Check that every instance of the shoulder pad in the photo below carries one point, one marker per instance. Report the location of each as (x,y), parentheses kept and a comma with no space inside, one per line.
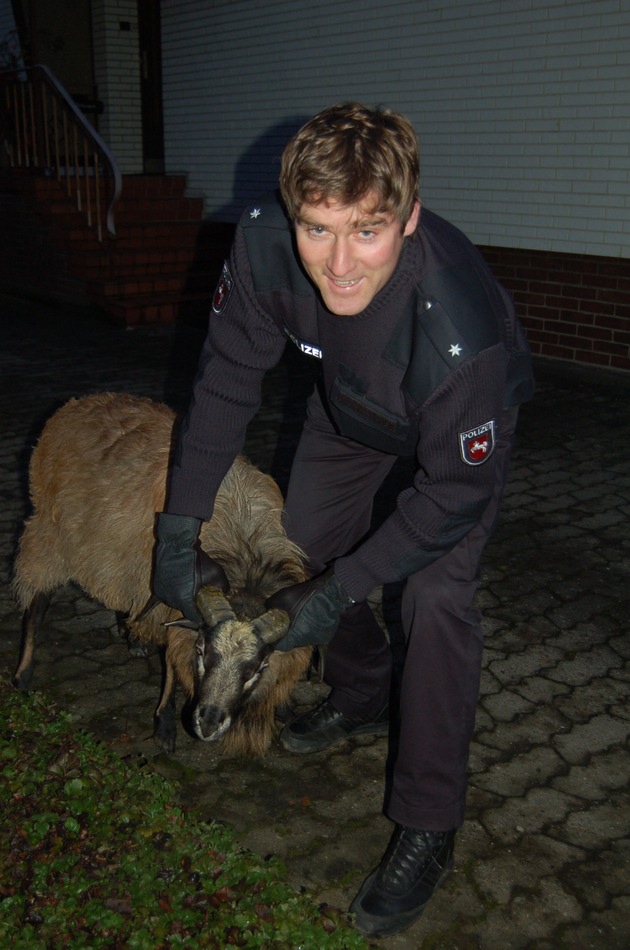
(267,212)
(468,317)
(454,320)
(271,251)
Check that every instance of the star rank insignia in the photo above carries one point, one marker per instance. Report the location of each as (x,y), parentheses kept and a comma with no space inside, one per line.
(254,213)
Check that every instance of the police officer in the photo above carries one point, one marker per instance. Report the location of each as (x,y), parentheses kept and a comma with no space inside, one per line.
(421,356)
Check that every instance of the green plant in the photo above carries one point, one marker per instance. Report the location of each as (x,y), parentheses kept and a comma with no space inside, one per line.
(93,853)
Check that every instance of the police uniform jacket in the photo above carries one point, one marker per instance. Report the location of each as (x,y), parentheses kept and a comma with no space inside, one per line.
(427,369)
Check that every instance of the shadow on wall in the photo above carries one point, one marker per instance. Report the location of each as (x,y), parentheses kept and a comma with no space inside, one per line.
(258,168)
(256,172)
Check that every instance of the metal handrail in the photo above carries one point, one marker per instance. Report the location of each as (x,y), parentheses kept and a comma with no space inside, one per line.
(45,130)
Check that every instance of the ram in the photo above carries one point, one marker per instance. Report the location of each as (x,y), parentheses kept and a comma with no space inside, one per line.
(97,477)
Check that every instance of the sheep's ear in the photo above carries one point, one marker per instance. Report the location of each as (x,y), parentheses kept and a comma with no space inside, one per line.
(272,625)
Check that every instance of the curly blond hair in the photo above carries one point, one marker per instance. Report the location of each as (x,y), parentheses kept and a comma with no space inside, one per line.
(349,151)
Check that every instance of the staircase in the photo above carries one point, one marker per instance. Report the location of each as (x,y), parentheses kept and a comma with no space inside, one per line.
(75,230)
(161,267)
(164,262)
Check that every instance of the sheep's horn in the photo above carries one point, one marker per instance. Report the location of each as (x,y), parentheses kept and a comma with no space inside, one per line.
(272,625)
(213,605)
(152,602)
(182,622)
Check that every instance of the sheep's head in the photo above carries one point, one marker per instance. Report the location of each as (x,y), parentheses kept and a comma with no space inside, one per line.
(231,657)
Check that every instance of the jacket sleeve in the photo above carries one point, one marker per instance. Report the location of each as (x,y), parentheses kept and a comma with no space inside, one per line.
(449,494)
(242,343)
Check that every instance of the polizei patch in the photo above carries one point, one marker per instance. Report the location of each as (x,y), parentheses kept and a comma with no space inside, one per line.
(223,291)
(309,348)
(477,445)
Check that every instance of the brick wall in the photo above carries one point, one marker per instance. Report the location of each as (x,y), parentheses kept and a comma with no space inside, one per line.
(574,307)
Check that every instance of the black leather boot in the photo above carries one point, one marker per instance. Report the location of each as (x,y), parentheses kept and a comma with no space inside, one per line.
(394,896)
(324,725)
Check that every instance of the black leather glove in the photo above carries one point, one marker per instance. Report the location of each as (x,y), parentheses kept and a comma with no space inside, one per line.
(315,608)
(181,567)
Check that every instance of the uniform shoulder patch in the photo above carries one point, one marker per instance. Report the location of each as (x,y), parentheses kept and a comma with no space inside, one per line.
(477,445)
(223,291)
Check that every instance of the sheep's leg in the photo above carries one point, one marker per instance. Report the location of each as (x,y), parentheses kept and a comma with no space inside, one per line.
(165,730)
(136,647)
(33,618)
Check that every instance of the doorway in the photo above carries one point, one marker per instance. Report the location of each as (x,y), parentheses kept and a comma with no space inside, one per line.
(60,35)
(149,38)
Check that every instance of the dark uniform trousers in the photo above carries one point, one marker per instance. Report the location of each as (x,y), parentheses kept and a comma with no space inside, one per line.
(328,512)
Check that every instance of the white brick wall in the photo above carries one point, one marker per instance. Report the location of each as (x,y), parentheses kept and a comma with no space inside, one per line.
(522,106)
(117,74)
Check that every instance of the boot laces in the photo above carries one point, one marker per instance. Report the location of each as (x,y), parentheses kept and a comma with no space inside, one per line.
(412,856)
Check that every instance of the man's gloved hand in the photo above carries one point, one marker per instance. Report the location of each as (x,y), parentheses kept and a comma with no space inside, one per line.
(181,567)
(315,608)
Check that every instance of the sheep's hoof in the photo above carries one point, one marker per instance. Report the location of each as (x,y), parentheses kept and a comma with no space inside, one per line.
(164,734)
(23,680)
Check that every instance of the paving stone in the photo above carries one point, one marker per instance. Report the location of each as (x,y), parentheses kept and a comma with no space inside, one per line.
(521,771)
(511,869)
(536,914)
(538,689)
(586,607)
(604,930)
(581,669)
(504,706)
(483,755)
(515,634)
(595,827)
(531,813)
(600,694)
(530,728)
(608,771)
(519,665)
(586,635)
(609,876)
(591,737)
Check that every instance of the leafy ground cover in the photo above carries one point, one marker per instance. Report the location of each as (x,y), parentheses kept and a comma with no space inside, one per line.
(93,853)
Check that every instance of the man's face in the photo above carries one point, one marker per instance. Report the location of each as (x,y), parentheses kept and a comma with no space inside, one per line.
(350,251)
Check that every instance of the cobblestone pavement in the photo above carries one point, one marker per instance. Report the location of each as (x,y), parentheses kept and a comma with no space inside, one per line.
(542,860)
